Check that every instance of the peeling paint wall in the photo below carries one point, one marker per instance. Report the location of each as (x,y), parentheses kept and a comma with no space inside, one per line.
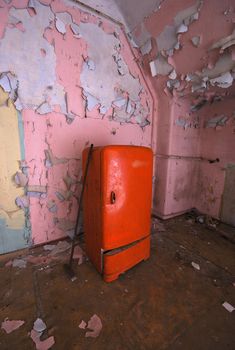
(187,50)
(73,79)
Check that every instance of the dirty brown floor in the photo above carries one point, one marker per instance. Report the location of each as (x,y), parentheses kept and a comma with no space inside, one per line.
(163,303)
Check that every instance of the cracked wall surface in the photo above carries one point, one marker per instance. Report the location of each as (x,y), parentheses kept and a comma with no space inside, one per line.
(190,57)
(71,78)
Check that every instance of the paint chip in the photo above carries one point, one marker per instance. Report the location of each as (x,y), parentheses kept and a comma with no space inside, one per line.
(44,108)
(95,325)
(146,47)
(219,120)
(39,326)
(20,263)
(195,265)
(22,202)
(11,325)
(44,344)
(82,325)
(21,179)
(91,100)
(228,306)
(160,66)
(60,26)
(182,29)
(75,29)
(196,40)
(90,64)
(5,83)
(224,81)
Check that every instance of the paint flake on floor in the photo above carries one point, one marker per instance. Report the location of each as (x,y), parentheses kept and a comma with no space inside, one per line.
(11,325)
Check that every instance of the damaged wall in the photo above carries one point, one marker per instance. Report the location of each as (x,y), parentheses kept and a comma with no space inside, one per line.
(187,47)
(72,80)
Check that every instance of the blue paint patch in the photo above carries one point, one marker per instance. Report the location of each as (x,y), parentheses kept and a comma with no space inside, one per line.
(11,239)
(26,232)
(21,135)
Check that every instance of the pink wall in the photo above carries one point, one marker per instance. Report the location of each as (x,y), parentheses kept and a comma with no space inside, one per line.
(74,79)
(184,177)
(78,83)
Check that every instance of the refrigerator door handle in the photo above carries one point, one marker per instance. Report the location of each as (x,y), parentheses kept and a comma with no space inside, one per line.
(113,197)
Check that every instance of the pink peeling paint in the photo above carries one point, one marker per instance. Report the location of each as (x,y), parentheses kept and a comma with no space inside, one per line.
(184,176)
(50,135)
(11,325)
(178,135)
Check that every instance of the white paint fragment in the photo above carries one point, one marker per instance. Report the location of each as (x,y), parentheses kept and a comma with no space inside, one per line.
(22,202)
(103,109)
(195,265)
(177,46)
(75,29)
(20,263)
(90,64)
(167,39)
(224,64)
(173,84)
(60,26)
(182,29)
(142,37)
(160,66)
(196,40)
(121,65)
(39,326)
(21,179)
(121,102)
(32,4)
(44,108)
(22,57)
(5,83)
(63,19)
(217,121)
(95,325)
(223,81)
(224,43)
(188,15)
(102,83)
(129,108)
(91,101)
(18,104)
(173,75)
(146,48)
(228,306)
(49,247)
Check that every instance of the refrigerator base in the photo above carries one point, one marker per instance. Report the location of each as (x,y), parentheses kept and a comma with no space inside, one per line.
(116,264)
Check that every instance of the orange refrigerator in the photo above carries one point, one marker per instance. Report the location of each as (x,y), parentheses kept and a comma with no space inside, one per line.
(117,208)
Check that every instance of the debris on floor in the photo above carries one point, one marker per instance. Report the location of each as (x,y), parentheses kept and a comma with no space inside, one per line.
(157,225)
(39,326)
(20,263)
(78,254)
(49,247)
(60,247)
(11,325)
(41,344)
(228,306)
(82,325)
(195,265)
(94,325)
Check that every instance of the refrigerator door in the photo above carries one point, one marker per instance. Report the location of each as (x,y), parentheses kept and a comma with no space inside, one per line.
(126,183)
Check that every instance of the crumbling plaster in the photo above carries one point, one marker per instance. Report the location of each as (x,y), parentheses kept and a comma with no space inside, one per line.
(191,61)
(73,80)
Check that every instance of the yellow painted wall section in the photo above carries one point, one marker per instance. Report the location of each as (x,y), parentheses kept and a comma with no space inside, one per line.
(9,161)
